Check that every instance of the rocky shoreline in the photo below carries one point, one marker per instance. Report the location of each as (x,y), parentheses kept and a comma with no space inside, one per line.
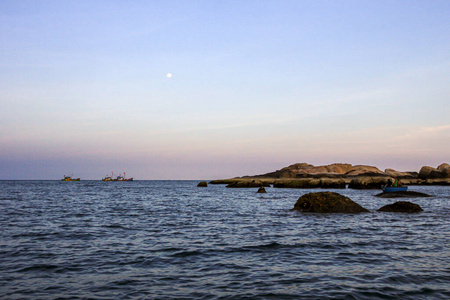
(303,175)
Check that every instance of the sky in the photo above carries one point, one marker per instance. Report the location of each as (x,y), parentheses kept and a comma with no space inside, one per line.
(256,86)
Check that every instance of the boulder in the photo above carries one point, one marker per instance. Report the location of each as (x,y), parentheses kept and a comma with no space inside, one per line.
(202,184)
(436,174)
(441,172)
(261,190)
(361,169)
(327,202)
(425,172)
(369,182)
(401,206)
(443,166)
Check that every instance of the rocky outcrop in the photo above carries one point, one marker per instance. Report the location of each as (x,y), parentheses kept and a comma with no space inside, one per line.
(327,202)
(369,182)
(444,166)
(303,175)
(400,175)
(202,184)
(307,170)
(261,190)
(248,183)
(425,172)
(302,183)
(360,170)
(331,183)
(401,206)
(441,172)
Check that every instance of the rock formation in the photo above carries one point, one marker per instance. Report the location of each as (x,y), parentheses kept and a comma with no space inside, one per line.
(202,184)
(261,190)
(401,206)
(301,183)
(327,202)
(247,183)
(303,175)
(400,175)
(435,176)
(332,183)
(369,182)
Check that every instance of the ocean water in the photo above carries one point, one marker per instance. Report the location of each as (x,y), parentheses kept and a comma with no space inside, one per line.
(173,240)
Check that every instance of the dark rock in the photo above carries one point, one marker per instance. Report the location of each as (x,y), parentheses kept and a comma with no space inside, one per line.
(223,181)
(441,181)
(261,190)
(407,194)
(302,183)
(443,166)
(425,172)
(247,183)
(401,206)
(330,183)
(327,202)
(369,182)
(202,184)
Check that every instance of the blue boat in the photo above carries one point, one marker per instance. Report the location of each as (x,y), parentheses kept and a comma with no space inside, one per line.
(392,189)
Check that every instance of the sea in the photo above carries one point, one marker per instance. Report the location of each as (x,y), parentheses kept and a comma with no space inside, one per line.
(174,240)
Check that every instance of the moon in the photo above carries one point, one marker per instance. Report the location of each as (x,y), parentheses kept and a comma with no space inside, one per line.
(169,75)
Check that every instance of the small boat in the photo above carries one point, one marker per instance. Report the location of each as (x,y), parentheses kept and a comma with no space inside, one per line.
(118,178)
(123,178)
(109,178)
(392,189)
(69,178)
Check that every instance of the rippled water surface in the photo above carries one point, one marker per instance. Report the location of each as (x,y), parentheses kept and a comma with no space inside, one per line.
(171,239)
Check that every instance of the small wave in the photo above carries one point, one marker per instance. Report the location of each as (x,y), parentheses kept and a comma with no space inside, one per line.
(187,253)
(38,268)
(272,245)
(115,226)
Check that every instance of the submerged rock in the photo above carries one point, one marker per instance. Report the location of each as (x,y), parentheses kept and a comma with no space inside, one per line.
(402,206)
(202,184)
(261,190)
(407,194)
(327,202)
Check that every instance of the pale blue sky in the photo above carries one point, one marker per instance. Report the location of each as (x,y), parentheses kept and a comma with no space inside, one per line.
(256,86)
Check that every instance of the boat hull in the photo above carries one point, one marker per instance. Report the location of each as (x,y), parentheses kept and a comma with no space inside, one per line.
(392,189)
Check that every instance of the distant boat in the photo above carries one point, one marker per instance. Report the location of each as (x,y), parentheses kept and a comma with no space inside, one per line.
(69,178)
(123,178)
(118,178)
(392,189)
(109,178)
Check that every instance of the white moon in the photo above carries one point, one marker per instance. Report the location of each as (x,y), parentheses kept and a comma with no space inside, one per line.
(169,75)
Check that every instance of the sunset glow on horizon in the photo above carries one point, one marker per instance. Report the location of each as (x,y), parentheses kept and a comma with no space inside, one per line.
(253,87)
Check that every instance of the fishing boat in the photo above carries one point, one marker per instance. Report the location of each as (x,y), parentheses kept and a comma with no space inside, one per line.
(118,178)
(123,178)
(69,178)
(109,178)
(392,189)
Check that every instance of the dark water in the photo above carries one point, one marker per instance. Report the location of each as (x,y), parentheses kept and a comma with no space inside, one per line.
(170,239)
